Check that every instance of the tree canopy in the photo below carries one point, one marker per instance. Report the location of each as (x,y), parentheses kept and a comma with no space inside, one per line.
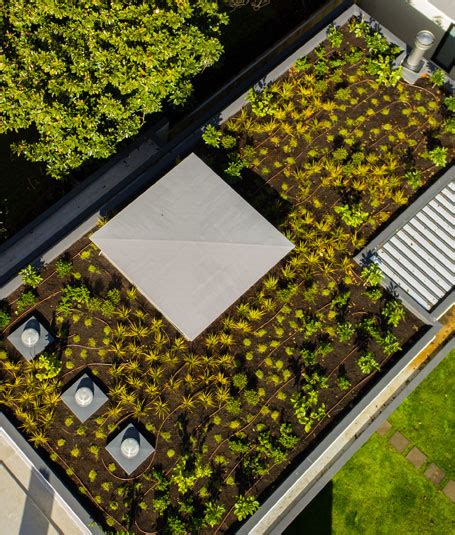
(79,77)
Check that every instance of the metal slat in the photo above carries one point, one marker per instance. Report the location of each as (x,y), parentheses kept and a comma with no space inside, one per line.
(427,221)
(412,269)
(446,202)
(404,246)
(429,236)
(388,270)
(429,253)
(450,191)
(440,209)
(436,216)
(406,280)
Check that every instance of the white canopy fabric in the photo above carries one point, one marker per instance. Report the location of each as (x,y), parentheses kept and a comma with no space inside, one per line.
(191,245)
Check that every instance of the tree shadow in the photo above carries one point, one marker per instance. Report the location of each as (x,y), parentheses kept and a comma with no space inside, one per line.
(316,518)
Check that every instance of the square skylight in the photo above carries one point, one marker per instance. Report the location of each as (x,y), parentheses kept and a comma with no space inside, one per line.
(191,245)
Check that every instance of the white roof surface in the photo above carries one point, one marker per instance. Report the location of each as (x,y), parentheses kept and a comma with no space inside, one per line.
(191,245)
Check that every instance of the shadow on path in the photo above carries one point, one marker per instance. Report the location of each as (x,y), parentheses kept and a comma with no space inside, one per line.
(316,518)
(40,499)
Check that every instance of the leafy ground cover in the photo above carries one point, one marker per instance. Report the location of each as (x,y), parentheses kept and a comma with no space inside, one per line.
(379,487)
(343,144)
(427,416)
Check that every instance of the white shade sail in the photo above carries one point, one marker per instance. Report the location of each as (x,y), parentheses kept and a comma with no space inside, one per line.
(191,245)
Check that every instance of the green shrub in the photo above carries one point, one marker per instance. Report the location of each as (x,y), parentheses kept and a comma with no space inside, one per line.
(212,136)
(372,274)
(450,103)
(31,277)
(438,156)
(345,331)
(26,300)
(334,36)
(63,268)
(390,344)
(438,78)
(393,312)
(235,166)
(262,102)
(47,366)
(245,506)
(5,318)
(384,70)
(228,142)
(240,380)
(367,363)
(414,178)
(343,383)
(353,216)
(213,513)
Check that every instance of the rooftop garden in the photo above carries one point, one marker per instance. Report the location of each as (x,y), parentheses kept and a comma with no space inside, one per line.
(343,143)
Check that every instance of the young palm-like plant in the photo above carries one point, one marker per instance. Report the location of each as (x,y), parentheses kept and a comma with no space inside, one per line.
(205,398)
(161,408)
(38,438)
(160,340)
(123,312)
(138,330)
(226,339)
(156,373)
(188,403)
(222,394)
(211,341)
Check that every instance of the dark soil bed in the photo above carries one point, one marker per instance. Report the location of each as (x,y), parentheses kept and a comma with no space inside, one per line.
(193,423)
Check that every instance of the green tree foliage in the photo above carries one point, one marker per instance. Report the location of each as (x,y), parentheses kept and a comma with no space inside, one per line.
(79,77)
(5,318)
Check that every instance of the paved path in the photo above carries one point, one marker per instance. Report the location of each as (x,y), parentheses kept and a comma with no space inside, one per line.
(418,459)
(29,503)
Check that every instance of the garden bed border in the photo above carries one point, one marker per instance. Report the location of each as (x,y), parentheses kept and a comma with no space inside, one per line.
(39,466)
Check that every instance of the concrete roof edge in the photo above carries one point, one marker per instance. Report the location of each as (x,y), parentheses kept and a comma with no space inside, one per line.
(73,505)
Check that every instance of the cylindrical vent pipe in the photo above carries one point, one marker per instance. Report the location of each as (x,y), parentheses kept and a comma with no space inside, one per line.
(424,41)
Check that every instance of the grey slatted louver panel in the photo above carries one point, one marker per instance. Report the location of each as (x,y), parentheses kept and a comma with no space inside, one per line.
(420,256)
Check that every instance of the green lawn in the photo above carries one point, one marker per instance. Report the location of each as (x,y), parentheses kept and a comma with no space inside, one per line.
(427,416)
(378,491)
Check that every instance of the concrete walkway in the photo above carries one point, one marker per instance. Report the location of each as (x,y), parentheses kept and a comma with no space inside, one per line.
(30,506)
